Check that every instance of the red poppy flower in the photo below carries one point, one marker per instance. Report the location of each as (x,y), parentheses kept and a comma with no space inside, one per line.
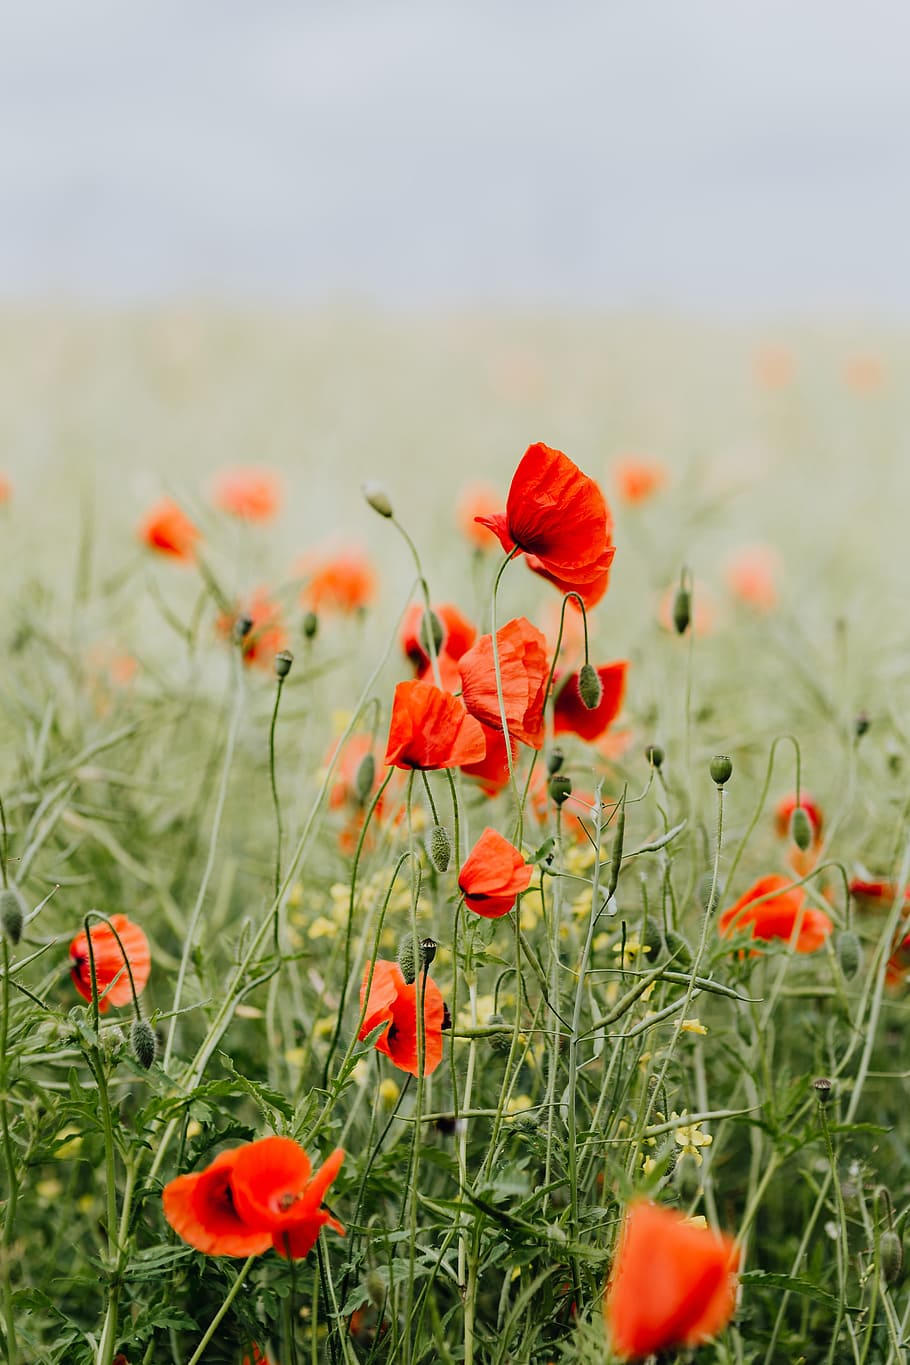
(341,581)
(477,501)
(111,976)
(266,636)
(785,807)
(638,479)
(458,635)
(524,670)
(252,494)
(492,771)
(431,729)
(251,1198)
(899,962)
(673,1283)
(782,914)
(570,712)
(557,515)
(752,573)
(169,530)
(6,489)
(493,875)
(393,1001)
(876,893)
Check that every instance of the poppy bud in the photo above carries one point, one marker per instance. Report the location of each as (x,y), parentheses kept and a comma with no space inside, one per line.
(364,778)
(655,755)
(822,1087)
(12,914)
(849,954)
(703,892)
(242,627)
(310,625)
(143,1042)
(555,760)
(378,498)
(560,789)
(428,948)
(721,769)
(375,1285)
(112,1039)
(590,688)
(678,949)
(439,848)
(861,724)
(682,610)
(891,1251)
(502,1041)
(800,828)
(283,661)
(431,629)
(407,960)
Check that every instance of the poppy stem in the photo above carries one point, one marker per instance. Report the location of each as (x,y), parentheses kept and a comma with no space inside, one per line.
(497,670)
(425,590)
(4,845)
(12,1183)
(279,832)
(222,1311)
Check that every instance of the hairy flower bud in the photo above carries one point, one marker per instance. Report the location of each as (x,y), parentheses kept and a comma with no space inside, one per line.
(431,634)
(891,1250)
(682,610)
(364,778)
(678,949)
(590,688)
(12,914)
(143,1042)
(703,891)
(377,497)
(439,848)
(801,828)
(310,625)
(407,959)
(501,1041)
(849,953)
(655,755)
(721,769)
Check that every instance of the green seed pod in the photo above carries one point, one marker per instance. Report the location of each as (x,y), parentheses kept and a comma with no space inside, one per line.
(555,760)
(721,769)
(310,625)
(560,788)
(682,610)
(678,948)
(143,1042)
(431,633)
(439,848)
(590,688)
(655,755)
(364,778)
(891,1251)
(112,1039)
(849,953)
(12,914)
(378,498)
(823,1088)
(407,959)
(801,827)
(283,662)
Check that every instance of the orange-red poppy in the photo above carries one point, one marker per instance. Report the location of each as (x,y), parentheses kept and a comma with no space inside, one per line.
(6,489)
(875,893)
(673,1283)
(493,875)
(111,976)
(570,712)
(781,916)
(492,771)
(266,636)
(393,1002)
(251,494)
(783,813)
(752,573)
(342,581)
(168,529)
(898,966)
(524,669)
(476,501)
(557,515)
(458,635)
(638,478)
(432,729)
(252,1197)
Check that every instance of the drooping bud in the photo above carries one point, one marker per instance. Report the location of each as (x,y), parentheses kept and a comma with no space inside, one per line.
(364,778)
(891,1250)
(560,788)
(822,1087)
(310,625)
(682,610)
(590,688)
(283,661)
(849,953)
(655,755)
(801,828)
(378,498)
(12,914)
(439,848)
(678,949)
(428,948)
(407,960)
(703,891)
(555,760)
(143,1042)
(721,769)
(431,630)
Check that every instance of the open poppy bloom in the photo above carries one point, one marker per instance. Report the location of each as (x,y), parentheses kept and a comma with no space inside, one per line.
(570,712)
(493,875)
(673,1283)
(432,729)
(477,500)
(111,976)
(169,530)
(638,478)
(458,635)
(250,1198)
(524,670)
(557,515)
(781,916)
(752,573)
(251,494)
(391,1000)
(492,771)
(266,636)
(342,581)
(898,968)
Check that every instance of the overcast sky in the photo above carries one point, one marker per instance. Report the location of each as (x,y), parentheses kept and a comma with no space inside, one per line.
(700,155)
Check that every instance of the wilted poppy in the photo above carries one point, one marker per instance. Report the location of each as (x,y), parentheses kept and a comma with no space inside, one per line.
(524,669)
(673,1283)
(638,478)
(557,515)
(457,635)
(476,501)
(342,581)
(169,530)
(251,494)
(432,729)
(570,712)
(391,1000)
(780,916)
(493,875)
(111,976)
(266,635)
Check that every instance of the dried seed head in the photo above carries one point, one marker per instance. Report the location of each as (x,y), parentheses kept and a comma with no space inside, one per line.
(560,788)
(143,1042)
(590,688)
(823,1088)
(12,914)
(378,498)
(555,760)
(428,948)
(283,661)
(439,848)
(721,769)
(801,828)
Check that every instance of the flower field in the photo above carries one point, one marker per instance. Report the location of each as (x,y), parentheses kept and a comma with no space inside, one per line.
(455,851)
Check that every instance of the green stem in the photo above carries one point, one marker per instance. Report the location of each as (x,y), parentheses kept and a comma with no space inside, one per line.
(279,832)
(9,1217)
(222,1311)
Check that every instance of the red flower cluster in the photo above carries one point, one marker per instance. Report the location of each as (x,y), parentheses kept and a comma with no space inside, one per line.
(393,1001)
(774,908)
(493,876)
(252,1197)
(557,515)
(111,977)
